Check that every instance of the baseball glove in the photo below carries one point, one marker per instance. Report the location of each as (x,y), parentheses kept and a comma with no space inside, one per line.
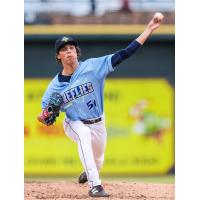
(52,111)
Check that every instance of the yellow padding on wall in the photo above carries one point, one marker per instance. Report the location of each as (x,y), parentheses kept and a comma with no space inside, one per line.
(94,29)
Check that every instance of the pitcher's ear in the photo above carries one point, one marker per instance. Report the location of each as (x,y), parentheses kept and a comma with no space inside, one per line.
(57,59)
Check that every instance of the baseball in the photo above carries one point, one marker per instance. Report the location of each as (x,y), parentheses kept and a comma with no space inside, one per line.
(158,17)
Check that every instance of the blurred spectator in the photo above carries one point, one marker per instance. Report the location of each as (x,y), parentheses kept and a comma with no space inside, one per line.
(125,6)
(93,6)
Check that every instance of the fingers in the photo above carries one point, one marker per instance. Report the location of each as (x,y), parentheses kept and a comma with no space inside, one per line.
(41,119)
(157,20)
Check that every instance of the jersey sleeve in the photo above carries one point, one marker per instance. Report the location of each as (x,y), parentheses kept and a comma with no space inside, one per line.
(102,66)
(123,54)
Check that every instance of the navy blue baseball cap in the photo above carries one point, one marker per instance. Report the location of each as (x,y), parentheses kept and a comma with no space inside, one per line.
(64,40)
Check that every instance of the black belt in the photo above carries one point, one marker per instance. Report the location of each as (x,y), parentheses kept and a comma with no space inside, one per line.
(91,121)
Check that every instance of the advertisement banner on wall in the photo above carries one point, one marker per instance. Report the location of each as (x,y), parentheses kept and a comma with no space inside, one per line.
(140,126)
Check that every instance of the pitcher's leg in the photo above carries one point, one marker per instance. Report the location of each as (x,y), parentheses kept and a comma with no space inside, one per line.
(99,138)
(82,135)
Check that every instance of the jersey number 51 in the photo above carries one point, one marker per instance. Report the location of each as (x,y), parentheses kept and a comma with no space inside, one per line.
(91,104)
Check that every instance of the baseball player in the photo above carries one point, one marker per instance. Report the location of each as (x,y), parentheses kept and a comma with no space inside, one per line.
(77,90)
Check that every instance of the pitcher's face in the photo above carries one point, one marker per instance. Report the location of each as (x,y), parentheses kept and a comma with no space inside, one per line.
(67,54)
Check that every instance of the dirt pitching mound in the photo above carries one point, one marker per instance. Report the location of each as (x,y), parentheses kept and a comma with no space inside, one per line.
(63,190)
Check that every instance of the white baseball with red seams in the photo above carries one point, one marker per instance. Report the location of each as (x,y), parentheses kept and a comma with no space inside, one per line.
(158,17)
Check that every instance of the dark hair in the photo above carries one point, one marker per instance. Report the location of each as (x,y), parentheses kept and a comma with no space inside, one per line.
(78,51)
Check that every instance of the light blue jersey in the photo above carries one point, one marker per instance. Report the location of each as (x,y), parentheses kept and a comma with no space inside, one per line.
(83,94)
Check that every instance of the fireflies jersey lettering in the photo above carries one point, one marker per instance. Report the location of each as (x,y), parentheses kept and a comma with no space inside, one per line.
(77,92)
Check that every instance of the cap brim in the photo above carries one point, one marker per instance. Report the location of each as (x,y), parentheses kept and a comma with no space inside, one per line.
(67,42)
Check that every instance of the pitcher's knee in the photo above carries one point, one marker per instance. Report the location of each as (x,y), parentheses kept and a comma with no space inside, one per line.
(85,133)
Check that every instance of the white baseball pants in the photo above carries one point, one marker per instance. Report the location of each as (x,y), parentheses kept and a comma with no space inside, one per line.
(91,140)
